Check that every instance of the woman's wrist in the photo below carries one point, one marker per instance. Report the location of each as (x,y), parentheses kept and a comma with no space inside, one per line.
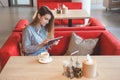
(44,43)
(41,45)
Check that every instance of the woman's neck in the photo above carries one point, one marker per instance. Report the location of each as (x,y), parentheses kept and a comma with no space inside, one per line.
(38,25)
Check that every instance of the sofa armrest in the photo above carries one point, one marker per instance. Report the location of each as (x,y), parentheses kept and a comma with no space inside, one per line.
(0,66)
(21,25)
(109,44)
(95,22)
(10,48)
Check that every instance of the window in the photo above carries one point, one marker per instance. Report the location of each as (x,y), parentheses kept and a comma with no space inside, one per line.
(20,3)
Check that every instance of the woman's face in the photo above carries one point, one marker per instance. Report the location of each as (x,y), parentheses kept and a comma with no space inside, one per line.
(44,20)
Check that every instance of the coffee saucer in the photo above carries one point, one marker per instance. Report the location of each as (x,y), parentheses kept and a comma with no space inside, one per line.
(46,61)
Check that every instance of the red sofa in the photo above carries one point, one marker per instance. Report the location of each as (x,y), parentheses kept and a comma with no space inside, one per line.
(10,48)
(70,5)
(41,1)
(108,44)
(94,25)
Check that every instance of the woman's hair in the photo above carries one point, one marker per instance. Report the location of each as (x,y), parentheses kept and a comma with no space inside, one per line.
(43,11)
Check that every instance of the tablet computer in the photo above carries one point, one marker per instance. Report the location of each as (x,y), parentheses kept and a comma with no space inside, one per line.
(53,40)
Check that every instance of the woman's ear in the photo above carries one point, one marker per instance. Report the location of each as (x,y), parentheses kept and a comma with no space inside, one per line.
(39,16)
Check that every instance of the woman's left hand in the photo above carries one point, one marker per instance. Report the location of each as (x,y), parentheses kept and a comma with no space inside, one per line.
(56,42)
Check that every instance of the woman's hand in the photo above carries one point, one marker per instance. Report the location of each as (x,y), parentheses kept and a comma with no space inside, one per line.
(44,42)
(56,42)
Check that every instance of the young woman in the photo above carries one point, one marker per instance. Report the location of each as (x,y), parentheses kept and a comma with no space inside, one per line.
(36,35)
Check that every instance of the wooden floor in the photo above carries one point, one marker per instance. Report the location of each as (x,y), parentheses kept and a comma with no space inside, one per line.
(10,16)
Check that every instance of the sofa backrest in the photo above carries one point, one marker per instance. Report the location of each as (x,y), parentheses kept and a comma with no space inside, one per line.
(61,48)
(53,0)
(53,5)
(107,44)
(73,5)
(94,24)
(41,1)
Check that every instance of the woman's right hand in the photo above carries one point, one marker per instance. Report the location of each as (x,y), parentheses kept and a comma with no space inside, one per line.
(44,42)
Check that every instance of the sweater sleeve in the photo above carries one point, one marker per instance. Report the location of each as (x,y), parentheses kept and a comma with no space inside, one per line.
(28,48)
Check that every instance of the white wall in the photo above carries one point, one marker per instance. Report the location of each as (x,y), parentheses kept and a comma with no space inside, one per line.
(96,1)
(86,5)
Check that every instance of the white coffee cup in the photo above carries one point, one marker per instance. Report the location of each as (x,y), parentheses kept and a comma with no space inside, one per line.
(43,56)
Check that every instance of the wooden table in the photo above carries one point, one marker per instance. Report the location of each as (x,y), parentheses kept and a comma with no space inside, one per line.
(28,68)
(72,14)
